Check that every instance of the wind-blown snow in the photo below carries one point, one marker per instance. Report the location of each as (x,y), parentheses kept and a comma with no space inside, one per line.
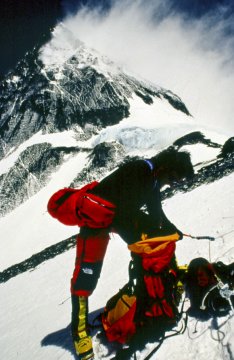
(64,45)
(61,48)
(193,58)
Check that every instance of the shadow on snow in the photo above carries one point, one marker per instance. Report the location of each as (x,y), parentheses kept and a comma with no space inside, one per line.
(63,339)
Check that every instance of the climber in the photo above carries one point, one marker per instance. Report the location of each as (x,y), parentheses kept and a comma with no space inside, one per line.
(114,205)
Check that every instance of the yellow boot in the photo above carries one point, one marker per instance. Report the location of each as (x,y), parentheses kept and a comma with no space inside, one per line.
(81,339)
(84,348)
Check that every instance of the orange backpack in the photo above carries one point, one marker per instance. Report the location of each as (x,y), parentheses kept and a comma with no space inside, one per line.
(118,317)
(150,293)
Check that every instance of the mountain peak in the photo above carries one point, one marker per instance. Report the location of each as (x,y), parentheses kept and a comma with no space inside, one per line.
(66,49)
(64,85)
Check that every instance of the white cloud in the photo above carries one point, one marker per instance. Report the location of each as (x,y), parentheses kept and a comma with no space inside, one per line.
(193,58)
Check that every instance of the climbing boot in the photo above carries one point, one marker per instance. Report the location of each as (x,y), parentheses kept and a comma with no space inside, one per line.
(80,334)
(84,348)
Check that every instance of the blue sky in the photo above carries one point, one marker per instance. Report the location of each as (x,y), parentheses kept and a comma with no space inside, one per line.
(190,8)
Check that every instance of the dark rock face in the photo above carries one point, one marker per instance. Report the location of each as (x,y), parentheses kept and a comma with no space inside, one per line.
(29,174)
(102,159)
(36,259)
(34,166)
(195,138)
(228,147)
(32,100)
(220,167)
(176,102)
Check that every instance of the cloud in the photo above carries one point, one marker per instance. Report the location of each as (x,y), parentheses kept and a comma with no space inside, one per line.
(191,57)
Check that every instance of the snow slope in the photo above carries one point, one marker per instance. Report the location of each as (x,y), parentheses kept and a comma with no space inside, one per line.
(35,306)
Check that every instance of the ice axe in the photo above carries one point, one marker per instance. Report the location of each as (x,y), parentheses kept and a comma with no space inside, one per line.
(211,238)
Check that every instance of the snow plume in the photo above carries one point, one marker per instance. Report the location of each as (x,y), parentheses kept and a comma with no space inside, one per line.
(191,57)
